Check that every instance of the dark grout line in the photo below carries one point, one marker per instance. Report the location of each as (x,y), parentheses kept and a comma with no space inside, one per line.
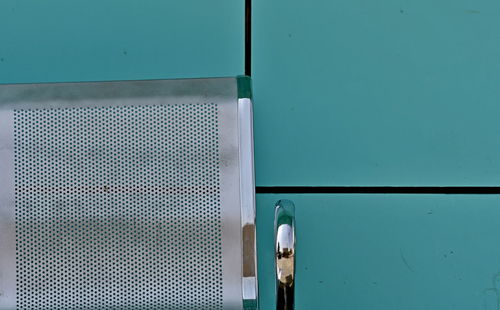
(375,190)
(248,37)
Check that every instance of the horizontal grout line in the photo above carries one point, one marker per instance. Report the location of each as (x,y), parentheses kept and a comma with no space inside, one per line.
(375,190)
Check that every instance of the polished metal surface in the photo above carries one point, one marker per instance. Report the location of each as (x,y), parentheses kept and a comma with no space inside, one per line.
(130,195)
(247,189)
(285,254)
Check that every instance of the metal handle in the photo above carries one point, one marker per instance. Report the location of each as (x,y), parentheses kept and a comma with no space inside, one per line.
(284,236)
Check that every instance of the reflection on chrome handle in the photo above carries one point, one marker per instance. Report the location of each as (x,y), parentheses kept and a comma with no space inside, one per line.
(284,236)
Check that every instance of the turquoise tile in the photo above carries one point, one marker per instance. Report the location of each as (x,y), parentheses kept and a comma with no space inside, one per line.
(59,41)
(377,93)
(388,251)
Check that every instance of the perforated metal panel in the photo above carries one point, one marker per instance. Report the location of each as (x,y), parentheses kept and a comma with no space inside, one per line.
(122,196)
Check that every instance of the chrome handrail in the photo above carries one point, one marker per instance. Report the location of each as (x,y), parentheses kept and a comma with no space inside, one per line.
(284,235)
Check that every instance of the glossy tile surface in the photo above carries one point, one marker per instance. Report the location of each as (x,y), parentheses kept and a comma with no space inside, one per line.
(377,93)
(62,41)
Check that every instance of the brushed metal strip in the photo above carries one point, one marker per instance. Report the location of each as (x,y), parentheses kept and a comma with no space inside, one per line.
(230,202)
(7,214)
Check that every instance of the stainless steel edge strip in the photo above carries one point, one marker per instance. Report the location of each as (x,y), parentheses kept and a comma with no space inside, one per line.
(230,195)
(247,190)
(8,288)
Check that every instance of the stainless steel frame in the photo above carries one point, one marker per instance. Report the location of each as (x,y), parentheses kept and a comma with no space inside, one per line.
(233,96)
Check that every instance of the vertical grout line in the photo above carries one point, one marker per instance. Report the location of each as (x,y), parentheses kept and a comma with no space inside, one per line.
(248,37)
